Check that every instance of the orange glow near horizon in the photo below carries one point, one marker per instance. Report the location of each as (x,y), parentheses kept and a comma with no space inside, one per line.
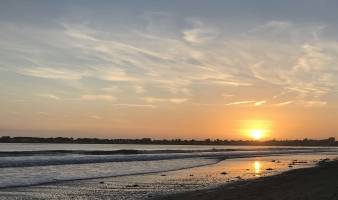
(256,134)
(256,129)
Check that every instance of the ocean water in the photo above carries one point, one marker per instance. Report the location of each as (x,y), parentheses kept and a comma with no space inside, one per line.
(39,164)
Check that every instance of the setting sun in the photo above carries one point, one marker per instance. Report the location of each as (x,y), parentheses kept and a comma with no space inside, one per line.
(256,134)
(256,129)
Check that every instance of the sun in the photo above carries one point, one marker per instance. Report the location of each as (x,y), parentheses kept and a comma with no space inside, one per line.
(255,129)
(256,134)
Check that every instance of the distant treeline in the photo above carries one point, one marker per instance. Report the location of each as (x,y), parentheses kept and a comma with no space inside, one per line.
(305,142)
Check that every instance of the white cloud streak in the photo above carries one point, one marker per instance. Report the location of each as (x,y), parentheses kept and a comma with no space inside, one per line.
(283,103)
(239,103)
(161,100)
(103,97)
(135,105)
(259,103)
(50,96)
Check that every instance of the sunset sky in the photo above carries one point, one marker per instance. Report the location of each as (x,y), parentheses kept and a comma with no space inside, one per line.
(169,69)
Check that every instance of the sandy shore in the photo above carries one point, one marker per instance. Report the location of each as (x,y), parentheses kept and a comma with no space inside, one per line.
(297,184)
(316,183)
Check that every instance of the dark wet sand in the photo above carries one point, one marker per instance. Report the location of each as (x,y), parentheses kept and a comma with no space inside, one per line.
(317,183)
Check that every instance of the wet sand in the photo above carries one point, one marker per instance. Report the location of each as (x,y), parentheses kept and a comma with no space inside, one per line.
(241,174)
(320,182)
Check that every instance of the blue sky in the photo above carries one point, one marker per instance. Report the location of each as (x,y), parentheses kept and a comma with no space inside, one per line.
(191,69)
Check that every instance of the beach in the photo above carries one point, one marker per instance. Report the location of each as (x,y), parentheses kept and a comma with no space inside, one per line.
(320,182)
(133,172)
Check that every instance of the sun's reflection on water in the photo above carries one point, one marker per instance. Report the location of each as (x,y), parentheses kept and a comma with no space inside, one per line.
(257,168)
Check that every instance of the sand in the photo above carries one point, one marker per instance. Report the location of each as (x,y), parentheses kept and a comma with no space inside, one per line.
(316,183)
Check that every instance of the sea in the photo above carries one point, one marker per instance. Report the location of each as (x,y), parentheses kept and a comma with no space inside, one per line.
(127,167)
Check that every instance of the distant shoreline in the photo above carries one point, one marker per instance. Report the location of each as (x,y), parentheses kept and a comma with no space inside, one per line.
(68,140)
(319,182)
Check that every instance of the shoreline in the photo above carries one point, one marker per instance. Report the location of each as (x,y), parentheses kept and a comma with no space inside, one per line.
(318,182)
(169,184)
(217,160)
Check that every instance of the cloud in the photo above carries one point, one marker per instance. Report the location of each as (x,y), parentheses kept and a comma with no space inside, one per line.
(43,113)
(111,89)
(96,117)
(178,100)
(239,102)
(139,89)
(50,96)
(174,66)
(231,83)
(51,73)
(259,103)
(227,96)
(302,62)
(199,33)
(198,36)
(273,26)
(313,103)
(111,74)
(153,99)
(306,70)
(283,103)
(159,100)
(255,103)
(135,105)
(168,64)
(98,97)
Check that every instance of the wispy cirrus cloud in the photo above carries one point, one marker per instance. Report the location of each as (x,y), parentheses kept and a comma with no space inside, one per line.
(283,103)
(159,100)
(131,105)
(198,33)
(101,97)
(253,103)
(96,117)
(50,96)
(239,103)
(178,100)
(51,73)
(313,103)
(259,103)
(139,89)
(175,66)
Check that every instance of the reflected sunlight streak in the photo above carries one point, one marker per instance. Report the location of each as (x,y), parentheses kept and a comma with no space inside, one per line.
(257,168)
